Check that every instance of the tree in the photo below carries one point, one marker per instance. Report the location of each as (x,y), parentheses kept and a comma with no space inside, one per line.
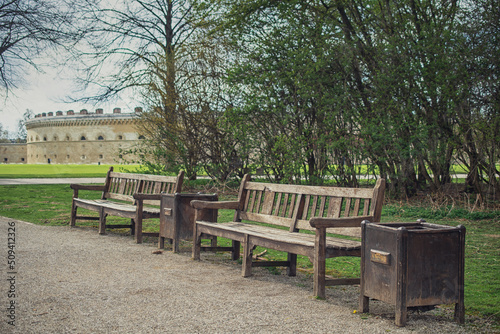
(327,85)
(29,28)
(4,135)
(157,49)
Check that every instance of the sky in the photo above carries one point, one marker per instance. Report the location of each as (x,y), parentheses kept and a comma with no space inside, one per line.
(45,92)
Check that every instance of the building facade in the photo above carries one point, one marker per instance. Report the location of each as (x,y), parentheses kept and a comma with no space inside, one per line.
(13,153)
(81,138)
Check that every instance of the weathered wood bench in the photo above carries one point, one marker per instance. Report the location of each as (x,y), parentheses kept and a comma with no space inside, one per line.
(295,207)
(133,196)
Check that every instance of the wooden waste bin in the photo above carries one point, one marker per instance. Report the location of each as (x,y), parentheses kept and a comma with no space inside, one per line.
(177,217)
(412,264)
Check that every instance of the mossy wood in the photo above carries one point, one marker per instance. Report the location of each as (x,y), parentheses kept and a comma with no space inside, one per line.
(134,196)
(286,210)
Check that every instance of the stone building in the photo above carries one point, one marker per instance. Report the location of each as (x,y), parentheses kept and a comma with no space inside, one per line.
(80,138)
(12,153)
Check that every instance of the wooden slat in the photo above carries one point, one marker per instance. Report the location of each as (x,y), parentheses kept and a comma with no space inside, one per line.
(322,207)
(259,202)
(291,208)
(284,205)
(275,234)
(305,211)
(312,190)
(121,187)
(314,206)
(347,209)
(356,207)
(149,177)
(278,205)
(336,203)
(366,207)
(253,194)
(119,197)
(247,200)
(297,212)
(258,217)
(267,206)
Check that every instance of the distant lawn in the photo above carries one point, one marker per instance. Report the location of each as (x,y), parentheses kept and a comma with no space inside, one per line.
(14,171)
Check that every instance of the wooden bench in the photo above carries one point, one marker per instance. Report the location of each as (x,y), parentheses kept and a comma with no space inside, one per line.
(133,196)
(294,207)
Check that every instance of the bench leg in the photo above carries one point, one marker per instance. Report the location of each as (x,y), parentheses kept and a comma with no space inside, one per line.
(196,243)
(102,221)
(213,241)
(364,303)
(132,227)
(247,257)
(161,242)
(319,263)
(291,270)
(175,245)
(138,228)
(460,312)
(72,222)
(235,254)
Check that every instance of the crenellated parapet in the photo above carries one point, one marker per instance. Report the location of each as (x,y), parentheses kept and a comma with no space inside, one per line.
(84,118)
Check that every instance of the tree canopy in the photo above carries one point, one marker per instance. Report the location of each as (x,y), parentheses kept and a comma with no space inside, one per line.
(304,90)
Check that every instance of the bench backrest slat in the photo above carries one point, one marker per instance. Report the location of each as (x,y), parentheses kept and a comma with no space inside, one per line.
(294,205)
(123,186)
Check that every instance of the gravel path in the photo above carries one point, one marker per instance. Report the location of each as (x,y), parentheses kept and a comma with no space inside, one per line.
(72,280)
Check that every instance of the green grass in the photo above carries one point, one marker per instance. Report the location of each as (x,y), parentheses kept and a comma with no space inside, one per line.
(53,170)
(56,170)
(51,204)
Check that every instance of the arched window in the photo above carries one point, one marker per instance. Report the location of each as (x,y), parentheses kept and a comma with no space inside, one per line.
(44,138)
(100,138)
(120,137)
(68,138)
(83,138)
(55,138)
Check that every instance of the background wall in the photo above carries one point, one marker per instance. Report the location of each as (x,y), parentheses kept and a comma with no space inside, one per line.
(13,153)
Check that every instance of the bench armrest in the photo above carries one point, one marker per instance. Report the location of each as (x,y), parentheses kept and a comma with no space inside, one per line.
(215,204)
(76,186)
(319,222)
(145,197)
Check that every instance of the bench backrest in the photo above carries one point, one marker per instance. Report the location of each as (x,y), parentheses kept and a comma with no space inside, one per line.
(293,205)
(123,186)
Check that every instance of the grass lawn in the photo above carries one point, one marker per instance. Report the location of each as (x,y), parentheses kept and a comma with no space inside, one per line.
(14,171)
(50,205)
(56,170)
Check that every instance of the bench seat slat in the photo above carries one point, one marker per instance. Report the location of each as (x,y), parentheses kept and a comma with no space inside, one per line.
(274,234)
(99,203)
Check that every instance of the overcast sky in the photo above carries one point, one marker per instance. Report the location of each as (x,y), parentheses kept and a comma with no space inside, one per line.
(45,93)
